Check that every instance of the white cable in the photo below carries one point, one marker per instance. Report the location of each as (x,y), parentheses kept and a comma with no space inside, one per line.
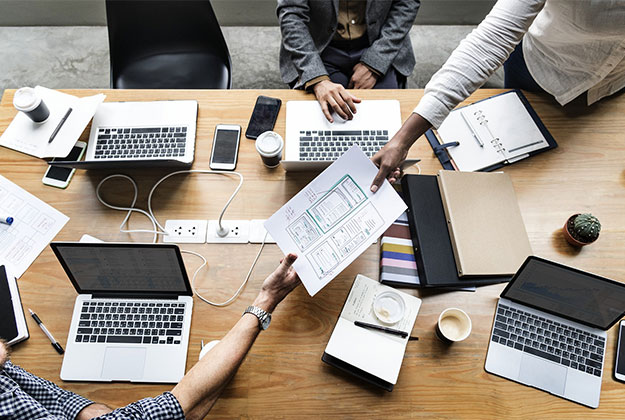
(150,215)
(198,171)
(239,290)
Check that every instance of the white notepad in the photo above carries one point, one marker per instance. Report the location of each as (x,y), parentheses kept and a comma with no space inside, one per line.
(377,353)
(501,124)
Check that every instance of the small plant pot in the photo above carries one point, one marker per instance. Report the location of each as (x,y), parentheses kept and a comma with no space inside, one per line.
(567,231)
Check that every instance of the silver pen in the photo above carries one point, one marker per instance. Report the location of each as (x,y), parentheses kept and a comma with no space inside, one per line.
(48,334)
(475,136)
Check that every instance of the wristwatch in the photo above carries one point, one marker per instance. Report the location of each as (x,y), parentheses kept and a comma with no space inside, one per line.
(264,317)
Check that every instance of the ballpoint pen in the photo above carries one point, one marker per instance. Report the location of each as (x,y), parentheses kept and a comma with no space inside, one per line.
(55,343)
(6,220)
(402,334)
(475,136)
(58,127)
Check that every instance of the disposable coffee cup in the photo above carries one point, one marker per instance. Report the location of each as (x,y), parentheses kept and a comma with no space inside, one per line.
(30,103)
(269,146)
(453,325)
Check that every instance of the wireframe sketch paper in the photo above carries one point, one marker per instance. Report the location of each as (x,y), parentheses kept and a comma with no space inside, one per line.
(28,137)
(334,219)
(35,225)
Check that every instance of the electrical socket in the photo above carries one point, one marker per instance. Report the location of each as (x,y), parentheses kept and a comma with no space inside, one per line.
(257,232)
(238,232)
(185,231)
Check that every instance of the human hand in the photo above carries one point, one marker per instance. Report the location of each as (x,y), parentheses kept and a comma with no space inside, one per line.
(333,97)
(362,77)
(278,284)
(388,159)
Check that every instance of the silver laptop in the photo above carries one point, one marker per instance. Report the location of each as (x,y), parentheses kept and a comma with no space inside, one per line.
(550,327)
(132,316)
(136,134)
(313,143)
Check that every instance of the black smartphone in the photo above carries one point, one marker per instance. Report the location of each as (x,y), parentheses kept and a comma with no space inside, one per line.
(619,360)
(263,117)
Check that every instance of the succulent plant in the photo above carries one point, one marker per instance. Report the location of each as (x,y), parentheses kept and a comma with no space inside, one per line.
(587,227)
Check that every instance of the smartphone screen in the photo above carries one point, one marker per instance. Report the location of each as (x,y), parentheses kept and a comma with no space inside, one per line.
(263,117)
(620,355)
(62,174)
(225,148)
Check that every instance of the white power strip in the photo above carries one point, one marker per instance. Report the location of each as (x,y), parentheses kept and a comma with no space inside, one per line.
(185,231)
(205,231)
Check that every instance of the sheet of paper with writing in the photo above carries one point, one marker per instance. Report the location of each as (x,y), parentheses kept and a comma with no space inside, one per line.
(334,219)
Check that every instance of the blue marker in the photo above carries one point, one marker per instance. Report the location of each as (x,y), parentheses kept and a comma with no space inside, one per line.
(7,220)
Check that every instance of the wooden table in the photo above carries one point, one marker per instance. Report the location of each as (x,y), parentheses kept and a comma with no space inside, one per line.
(283,376)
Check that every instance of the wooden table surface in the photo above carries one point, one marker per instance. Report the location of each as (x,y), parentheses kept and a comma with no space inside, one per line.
(283,376)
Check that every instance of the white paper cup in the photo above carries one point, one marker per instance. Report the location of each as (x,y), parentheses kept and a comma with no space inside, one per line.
(453,325)
(30,103)
(269,146)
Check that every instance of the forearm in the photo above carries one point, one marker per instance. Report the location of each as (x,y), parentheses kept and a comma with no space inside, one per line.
(410,131)
(202,385)
(92,411)
(477,57)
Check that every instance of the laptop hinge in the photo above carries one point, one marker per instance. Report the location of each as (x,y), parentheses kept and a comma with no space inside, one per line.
(143,296)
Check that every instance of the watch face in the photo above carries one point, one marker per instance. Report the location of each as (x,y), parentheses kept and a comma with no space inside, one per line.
(266,321)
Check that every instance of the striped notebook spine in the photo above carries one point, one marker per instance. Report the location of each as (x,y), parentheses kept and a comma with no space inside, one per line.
(397,262)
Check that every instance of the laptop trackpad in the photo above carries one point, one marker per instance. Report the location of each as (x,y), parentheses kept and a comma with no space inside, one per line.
(543,374)
(123,363)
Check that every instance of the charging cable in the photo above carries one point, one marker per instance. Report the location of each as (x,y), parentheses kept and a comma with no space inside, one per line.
(222,231)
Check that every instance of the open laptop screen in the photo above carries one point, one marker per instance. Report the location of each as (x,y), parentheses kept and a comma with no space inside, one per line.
(567,292)
(123,268)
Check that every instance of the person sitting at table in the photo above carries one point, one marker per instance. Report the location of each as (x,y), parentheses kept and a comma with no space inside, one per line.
(564,48)
(332,45)
(26,396)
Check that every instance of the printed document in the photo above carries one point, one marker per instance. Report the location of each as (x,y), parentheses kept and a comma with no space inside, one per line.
(31,138)
(334,219)
(35,225)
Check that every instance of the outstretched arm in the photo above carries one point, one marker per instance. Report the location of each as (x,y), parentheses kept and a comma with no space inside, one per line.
(477,57)
(200,388)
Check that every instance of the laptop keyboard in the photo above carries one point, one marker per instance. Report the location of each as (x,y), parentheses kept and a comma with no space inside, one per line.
(145,142)
(130,322)
(330,145)
(548,339)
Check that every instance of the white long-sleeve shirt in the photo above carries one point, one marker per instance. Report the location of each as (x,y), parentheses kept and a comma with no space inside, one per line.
(570,47)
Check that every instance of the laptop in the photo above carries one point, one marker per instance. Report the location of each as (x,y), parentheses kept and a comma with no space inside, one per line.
(313,143)
(550,327)
(140,134)
(132,316)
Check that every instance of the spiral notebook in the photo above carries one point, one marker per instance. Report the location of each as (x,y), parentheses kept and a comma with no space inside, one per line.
(491,133)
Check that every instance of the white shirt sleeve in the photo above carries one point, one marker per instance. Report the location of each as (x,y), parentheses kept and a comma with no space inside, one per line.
(477,57)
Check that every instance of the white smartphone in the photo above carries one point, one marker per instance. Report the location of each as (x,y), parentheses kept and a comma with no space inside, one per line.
(225,147)
(619,365)
(59,177)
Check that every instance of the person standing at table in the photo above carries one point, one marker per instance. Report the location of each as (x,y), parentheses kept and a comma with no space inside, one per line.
(26,396)
(329,46)
(565,48)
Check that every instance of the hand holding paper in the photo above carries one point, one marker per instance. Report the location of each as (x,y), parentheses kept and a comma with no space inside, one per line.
(334,219)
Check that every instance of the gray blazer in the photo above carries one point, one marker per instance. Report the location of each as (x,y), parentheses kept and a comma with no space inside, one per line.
(308,26)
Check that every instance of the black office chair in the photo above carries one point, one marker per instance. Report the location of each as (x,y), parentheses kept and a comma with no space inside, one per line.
(166,44)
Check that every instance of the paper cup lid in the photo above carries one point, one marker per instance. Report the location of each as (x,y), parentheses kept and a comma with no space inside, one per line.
(269,144)
(26,99)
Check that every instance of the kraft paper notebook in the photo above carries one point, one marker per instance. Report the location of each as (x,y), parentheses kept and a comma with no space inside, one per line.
(485,224)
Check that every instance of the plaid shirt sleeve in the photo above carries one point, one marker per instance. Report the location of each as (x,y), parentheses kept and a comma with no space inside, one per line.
(26,396)
(162,407)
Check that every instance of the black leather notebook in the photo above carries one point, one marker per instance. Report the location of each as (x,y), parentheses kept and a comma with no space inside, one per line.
(13,327)
(433,250)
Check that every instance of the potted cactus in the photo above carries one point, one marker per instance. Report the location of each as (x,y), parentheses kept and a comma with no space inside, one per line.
(581,229)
